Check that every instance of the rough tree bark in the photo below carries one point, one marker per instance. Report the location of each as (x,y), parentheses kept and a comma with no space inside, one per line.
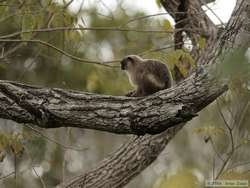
(151,114)
(50,108)
(192,22)
(133,157)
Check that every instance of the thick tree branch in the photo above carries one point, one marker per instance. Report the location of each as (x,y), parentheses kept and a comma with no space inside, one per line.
(22,104)
(50,108)
(237,32)
(132,158)
(189,16)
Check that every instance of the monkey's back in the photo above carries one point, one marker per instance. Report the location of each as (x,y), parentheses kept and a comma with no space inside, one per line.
(155,76)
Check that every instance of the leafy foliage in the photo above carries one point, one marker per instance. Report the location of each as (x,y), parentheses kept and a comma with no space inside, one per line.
(209,130)
(234,175)
(12,143)
(182,59)
(202,42)
(39,64)
(183,178)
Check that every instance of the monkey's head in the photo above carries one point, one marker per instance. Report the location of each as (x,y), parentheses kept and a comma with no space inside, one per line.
(129,62)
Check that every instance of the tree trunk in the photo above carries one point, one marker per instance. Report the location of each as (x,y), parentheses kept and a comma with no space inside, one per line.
(167,109)
(131,158)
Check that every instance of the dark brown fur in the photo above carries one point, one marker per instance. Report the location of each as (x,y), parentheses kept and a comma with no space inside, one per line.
(146,75)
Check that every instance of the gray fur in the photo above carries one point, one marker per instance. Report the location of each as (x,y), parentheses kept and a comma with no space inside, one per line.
(146,75)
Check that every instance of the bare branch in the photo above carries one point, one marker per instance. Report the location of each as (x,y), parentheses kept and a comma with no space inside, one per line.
(189,14)
(130,161)
(153,114)
(193,17)
(34,170)
(50,108)
(215,150)
(54,141)
(62,51)
(85,29)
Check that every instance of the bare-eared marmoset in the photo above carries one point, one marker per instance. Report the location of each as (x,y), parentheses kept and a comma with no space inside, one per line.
(146,75)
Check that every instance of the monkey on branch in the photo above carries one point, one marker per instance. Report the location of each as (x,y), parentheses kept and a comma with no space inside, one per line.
(147,76)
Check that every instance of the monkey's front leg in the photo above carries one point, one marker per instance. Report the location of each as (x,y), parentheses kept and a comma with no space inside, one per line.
(130,94)
(136,93)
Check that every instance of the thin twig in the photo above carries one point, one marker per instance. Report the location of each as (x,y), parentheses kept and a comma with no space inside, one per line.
(157,49)
(243,113)
(33,168)
(154,15)
(15,168)
(64,156)
(223,166)
(143,17)
(8,175)
(108,9)
(205,4)
(21,44)
(222,115)
(68,4)
(12,50)
(105,63)
(213,168)
(237,165)
(231,153)
(54,141)
(115,29)
(230,130)
(40,178)
(215,150)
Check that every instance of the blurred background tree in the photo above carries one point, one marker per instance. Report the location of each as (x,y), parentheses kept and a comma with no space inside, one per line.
(43,158)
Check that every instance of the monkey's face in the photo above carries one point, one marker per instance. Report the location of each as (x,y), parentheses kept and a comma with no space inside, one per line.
(128,63)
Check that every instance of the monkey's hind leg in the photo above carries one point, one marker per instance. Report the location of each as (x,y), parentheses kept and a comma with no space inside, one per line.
(136,93)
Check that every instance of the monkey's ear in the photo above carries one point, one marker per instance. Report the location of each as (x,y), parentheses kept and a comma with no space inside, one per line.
(130,59)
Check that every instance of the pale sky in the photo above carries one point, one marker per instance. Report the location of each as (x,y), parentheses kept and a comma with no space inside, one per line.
(222,8)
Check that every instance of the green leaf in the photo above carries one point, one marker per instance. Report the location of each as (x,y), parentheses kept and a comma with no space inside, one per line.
(209,130)
(3,11)
(4,141)
(92,82)
(40,19)
(17,147)
(244,141)
(158,2)
(167,25)
(202,42)
(234,66)
(28,23)
(183,60)
(183,178)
